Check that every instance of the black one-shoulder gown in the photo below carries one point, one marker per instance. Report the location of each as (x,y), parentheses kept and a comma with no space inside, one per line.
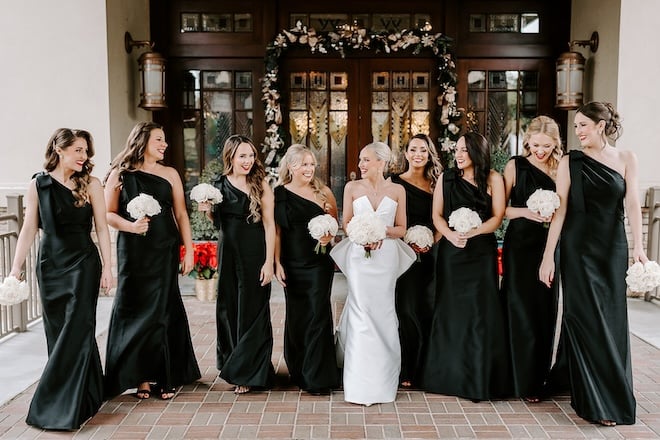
(531,306)
(309,348)
(415,289)
(594,259)
(149,338)
(68,272)
(245,333)
(467,355)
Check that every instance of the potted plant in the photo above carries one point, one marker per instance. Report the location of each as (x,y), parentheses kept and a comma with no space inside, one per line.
(205,269)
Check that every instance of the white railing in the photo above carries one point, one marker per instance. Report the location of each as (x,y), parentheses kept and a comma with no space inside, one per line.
(16,318)
(653,250)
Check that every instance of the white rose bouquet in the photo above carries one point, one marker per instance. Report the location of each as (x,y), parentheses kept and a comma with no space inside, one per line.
(464,219)
(543,202)
(205,192)
(420,238)
(364,229)
(13,291)
(643,277)
(320,226)
(143,206)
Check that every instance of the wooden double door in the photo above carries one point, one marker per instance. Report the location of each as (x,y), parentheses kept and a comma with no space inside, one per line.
(337,106)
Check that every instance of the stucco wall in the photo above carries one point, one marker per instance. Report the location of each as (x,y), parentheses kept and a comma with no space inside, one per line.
(54,74)
(124,87)
(638,91)
(601,70)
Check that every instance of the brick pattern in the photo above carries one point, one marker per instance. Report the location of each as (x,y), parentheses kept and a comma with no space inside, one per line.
(209,409)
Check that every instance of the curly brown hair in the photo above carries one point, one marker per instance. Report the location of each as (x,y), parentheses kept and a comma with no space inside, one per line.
(63,138)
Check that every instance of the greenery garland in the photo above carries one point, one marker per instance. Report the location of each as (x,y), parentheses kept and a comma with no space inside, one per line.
(352,39)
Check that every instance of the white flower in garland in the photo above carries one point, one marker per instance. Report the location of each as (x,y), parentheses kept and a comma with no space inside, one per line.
(353,37)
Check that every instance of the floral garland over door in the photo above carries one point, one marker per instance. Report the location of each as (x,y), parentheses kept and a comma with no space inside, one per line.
(352,39)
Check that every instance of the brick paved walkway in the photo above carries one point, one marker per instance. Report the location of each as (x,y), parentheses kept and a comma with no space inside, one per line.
(209,408)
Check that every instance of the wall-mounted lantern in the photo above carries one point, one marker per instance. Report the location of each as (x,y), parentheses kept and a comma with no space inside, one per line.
(570,74)
(152,74)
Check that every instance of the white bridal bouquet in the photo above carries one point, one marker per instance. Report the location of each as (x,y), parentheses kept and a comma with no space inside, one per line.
(464,219)
(543,202)
(643,277)
(142,206)
(421,237)
(13,291)
(321,225)
(205,192)
(366,228)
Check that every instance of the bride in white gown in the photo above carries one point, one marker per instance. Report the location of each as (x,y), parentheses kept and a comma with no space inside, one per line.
(367,335)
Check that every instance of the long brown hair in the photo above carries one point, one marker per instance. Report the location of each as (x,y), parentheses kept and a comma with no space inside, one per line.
(256,176)
(433,167)
(63,138)
(132,156)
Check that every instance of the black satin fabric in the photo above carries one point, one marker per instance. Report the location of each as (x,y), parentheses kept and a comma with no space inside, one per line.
(531,306)
(594,259)
(245,333)
(68,271)
(467,351)
(149,338)
(309,348)
(415,289)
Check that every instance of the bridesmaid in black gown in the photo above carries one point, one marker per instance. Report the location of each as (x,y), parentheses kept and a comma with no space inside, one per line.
(306,275)
(531,306)
(415,293)
(148,339)
(247,247)
(62,202)
(467,354)
(593,185)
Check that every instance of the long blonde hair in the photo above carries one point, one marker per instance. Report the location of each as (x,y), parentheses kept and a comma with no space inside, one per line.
(254,179)
(547,126)
(293,158)
(63,138)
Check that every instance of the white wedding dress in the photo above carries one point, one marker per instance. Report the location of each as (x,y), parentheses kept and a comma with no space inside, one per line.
(368,332)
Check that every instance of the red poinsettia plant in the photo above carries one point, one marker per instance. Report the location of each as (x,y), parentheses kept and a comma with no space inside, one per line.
(206,260)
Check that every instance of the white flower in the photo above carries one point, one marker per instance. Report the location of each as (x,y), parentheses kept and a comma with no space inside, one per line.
(367,228)
(142,206)
(464,219)
(543,202)
(643,277)
(419,235)
(13,291)
(206,193)
(321,225)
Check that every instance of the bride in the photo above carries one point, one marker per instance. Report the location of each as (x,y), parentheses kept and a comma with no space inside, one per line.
(367,336)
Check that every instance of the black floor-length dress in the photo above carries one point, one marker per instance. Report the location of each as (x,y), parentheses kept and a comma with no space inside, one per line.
(69,271)
(245,333)
(467,352)
(594,259)
(309,348)
(415,292)
(531,306)
(149,338)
